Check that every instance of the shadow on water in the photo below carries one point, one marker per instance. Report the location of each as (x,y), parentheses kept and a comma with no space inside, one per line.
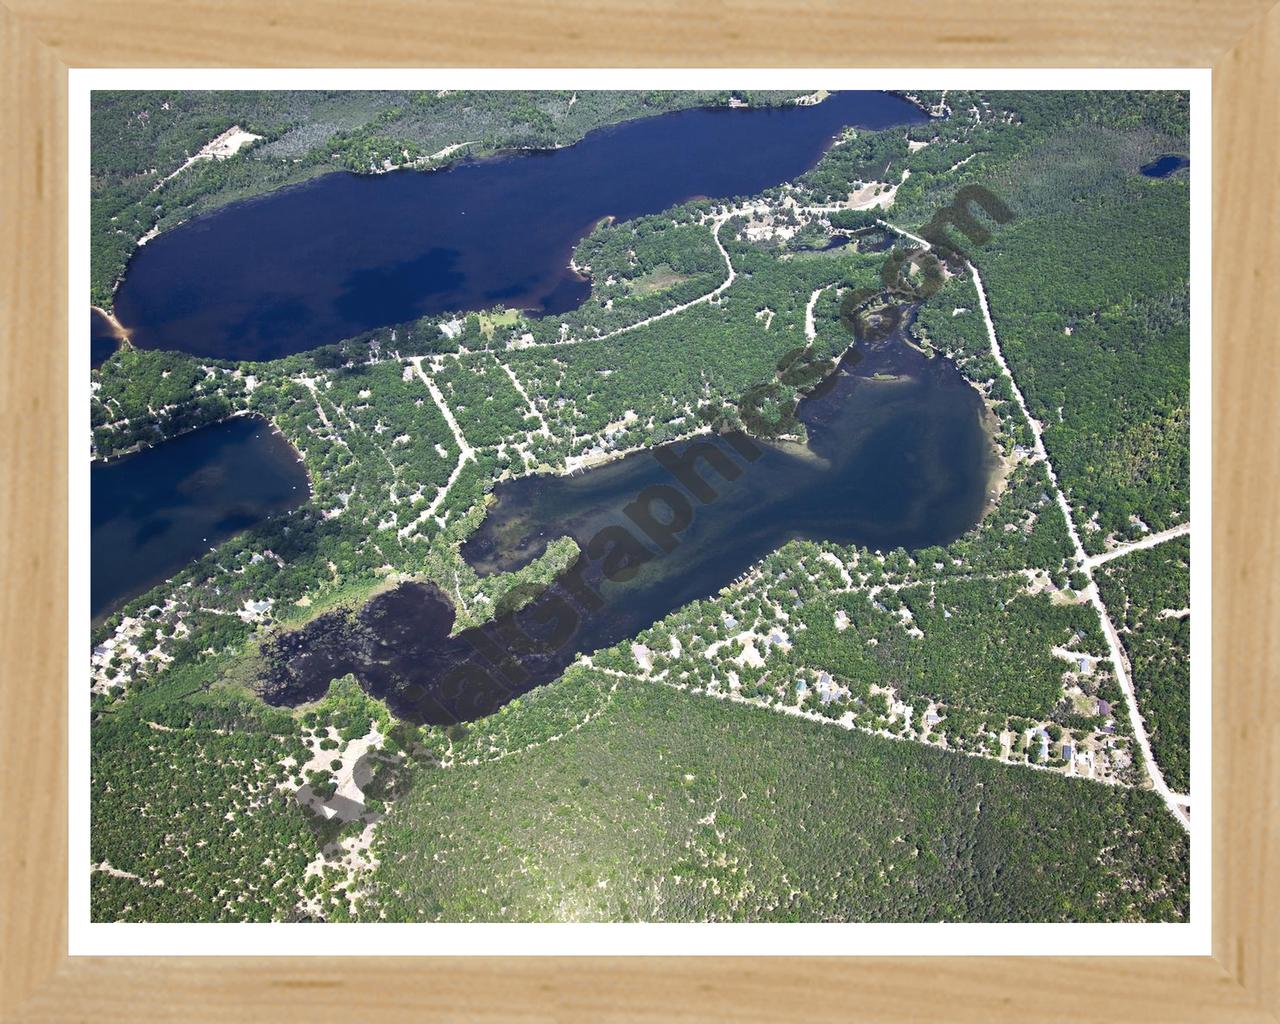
(897,456)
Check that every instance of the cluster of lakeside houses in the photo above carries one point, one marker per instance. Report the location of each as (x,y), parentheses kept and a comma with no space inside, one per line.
(734,645)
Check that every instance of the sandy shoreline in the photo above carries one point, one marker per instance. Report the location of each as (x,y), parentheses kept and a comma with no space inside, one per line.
(1001,465)
(121,332)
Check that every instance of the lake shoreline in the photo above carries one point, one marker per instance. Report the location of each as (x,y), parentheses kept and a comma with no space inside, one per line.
(601,173)
(97,459)
(1001,465)
(115,457)
(109,316)
(451,157)
(872,475)
(147,525)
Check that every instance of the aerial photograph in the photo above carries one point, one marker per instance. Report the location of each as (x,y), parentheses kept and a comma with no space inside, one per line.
(639,506)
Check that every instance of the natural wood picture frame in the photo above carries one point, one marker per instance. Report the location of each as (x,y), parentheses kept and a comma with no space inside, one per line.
(41,39)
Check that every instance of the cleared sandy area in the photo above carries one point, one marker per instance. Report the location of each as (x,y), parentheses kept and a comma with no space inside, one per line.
(228,144)
(876,194)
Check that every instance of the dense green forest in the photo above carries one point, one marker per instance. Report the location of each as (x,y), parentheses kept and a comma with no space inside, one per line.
(484,401)
(1148,594)
(986,644)
(669,807)
(380,449)
(226,846)
(1092,311)
(665,796)
(1040,152)
(140,398)
(1088,285)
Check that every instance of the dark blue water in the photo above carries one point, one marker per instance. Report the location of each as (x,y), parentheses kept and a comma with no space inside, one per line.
(157,510)
(903,461)
(337,256)
(103,339)
(1165,166)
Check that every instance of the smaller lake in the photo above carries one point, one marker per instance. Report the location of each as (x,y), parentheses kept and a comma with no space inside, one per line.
(897,456)
(1165,166)
(155,511)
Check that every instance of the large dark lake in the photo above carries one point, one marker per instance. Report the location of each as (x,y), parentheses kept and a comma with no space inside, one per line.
(158,509)
(889,462)
(897,454)
(344,253)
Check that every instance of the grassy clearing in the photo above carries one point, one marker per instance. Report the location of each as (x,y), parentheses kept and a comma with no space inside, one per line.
(659,279)
(497,318)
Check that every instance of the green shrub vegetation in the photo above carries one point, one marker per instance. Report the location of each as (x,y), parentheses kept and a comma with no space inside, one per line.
(986,643)
(226,846)
(626,792)
(670,807)
(1148,593)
